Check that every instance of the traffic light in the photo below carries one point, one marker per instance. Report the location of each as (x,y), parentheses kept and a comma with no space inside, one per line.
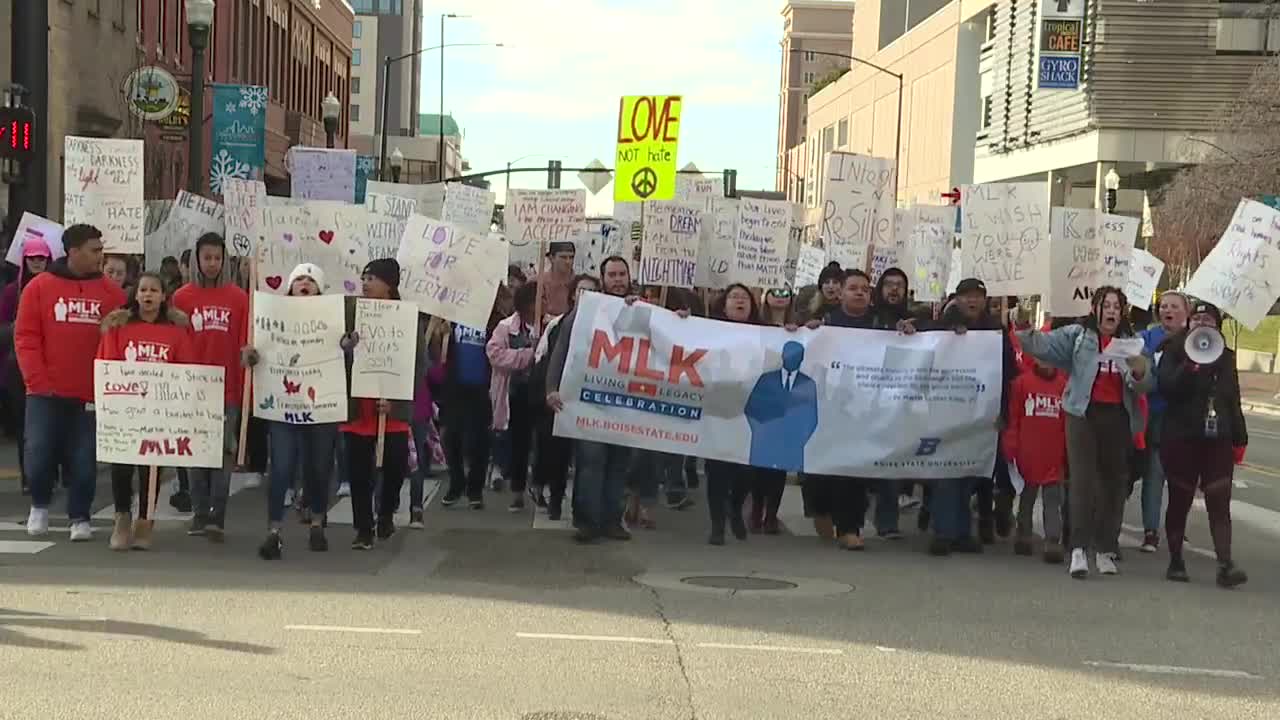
(553,174)
(730,183)
(17,133)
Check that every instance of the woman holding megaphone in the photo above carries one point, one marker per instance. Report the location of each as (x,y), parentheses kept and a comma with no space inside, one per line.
(1204,436)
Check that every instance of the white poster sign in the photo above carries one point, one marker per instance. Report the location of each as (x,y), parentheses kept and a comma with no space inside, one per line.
(1144,277)
(894,252)
(387,216)
(468,207)
(672,239)
(332,235)
(34,227)
(243,202)
(761,245)
(924,405)
(382,364)
(1118,234)
(301,375)
(103,188)
(190,217)
(322,174)
(449,271)
(929,250)
(1077,268)
(163,414)
(602,239)
(859,199)
(1006,236)
(1239,275)
(627,215)
(700,190)
(717,258)
(429,199)
(536,218)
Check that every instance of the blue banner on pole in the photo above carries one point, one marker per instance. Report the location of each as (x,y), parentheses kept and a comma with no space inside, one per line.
(364,168)
(239,134)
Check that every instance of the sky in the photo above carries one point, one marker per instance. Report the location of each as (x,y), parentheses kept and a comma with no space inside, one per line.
(553,91)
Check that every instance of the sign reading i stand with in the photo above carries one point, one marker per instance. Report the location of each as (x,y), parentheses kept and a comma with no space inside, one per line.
(1058,51)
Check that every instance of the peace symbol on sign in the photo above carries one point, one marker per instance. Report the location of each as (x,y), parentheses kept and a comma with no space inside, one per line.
(644,182)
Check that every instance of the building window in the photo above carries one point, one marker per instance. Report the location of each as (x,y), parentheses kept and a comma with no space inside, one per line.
(809,77)
(991,24)
(988,106)
(357,30)
(355,57)
(810,56)
(355,113)
(1247,36)
(355,86)
(842,134)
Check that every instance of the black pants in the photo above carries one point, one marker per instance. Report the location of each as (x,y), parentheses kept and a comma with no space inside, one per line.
(520,431)
(727,487)
(468,416)
(122,488)
(848,504)
(256,450)
(551,470)
(362,474)
(766,490)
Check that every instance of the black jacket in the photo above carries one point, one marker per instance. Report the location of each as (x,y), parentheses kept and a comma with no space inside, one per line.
(1187,387)
(954,318)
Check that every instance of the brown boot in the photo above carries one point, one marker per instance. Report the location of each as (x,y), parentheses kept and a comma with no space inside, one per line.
(826,529)
(142,534)
(121,532)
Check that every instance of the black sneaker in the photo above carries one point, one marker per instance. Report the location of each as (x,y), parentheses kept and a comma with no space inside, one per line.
(363,541)
(516,505)
(318,542)
(617,532)
(386,527)
(181,501)
(939,547)
(1004,524)
(922,520)
(271,548)
(738,525)
(554,511)
(585,536)
(475,504)
(198,525)
(415,520)
(1177,571)
(450,500)
(987,531)
(1022,547)
(1230,576)
(966,545)
(215,533)
(717,537)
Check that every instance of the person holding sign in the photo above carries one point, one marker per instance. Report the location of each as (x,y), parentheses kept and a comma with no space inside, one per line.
(376,421)
(145,330)
(219,316)
(36,256)
(55,336)
(1103,416)
(510,350)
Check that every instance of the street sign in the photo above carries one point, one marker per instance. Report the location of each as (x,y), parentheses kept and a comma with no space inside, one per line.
(151,92)
(648,138)
(1058,49)
(690,168)
(1059,72)
(595,176)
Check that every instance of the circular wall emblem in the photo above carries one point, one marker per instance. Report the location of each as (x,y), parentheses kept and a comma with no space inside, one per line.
(152,92)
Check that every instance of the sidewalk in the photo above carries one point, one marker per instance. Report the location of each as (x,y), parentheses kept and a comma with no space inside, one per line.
(1258,393)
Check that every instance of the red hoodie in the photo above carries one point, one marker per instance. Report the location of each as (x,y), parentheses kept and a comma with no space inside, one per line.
(220,327)
(137,341)
(57,330)
(1036,438)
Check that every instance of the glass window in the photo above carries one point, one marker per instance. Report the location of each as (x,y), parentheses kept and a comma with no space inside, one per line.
(357,30)
(355,113)
(355,57)
(355,86)
(842,135)
(809,77)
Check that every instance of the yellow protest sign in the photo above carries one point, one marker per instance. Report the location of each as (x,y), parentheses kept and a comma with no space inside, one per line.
(648,132)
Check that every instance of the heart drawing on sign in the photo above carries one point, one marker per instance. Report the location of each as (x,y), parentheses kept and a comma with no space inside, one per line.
(349,286)
(274,282)
(288,237)
(326,237)
(311,393)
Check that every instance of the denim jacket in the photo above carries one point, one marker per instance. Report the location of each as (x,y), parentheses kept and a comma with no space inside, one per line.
(1074,349)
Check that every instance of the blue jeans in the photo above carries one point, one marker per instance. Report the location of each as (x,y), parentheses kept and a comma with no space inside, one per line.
(61,430)
(950,508)
(599,484)
(648,469)
(887,505)
(304,449)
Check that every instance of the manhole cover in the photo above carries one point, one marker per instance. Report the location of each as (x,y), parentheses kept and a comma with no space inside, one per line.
(738,582)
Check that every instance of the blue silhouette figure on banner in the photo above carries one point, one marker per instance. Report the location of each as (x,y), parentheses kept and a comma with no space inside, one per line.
(782,411)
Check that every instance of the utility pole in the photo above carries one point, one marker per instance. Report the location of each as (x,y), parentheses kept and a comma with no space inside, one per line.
(30,57)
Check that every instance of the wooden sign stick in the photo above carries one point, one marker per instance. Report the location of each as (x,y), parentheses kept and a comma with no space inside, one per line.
(542,288)
(153,492)
(381,445)
(246,396)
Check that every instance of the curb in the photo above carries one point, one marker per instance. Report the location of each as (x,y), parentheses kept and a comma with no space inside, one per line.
(1260,408)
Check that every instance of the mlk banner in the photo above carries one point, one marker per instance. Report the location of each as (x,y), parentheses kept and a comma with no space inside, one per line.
(239,134)
(836,401)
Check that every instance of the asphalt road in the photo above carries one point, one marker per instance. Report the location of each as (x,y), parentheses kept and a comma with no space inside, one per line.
(491,615)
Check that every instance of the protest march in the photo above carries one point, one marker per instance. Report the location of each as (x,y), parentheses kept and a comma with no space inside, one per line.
(877,353)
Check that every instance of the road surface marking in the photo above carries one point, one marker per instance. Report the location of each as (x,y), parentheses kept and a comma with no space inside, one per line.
(595,638)
(359,630)
(165,511)
(50,618)
(1261,469)
(341,514)
(23,547)
(772,648)
(1173,670)
(632,640)
(1185,545)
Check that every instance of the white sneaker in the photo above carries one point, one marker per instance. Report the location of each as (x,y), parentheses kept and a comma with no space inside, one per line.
(344,490)
(1107,564)
(1079,564)
(288,497)
(252,480)
(38,522)
(81,531)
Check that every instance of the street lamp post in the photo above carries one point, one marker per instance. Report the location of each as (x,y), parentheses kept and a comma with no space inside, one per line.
(1112,183)
(440,125)
(897,149)
(507,181)
(331,110)
(199,20)
(397,162)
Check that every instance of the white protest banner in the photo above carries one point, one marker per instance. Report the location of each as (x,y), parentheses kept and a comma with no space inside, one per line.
(929,251)
(387,217)
(1076,268)
(243,202)
(602,239)
(627,215)
(859,199)
(151,413)
(716,255)
(451,272)
(1117,233)
(322,174)
(1239,275)
(382,364)
(1144,277)
(332,235)
(190,217)
(924,405)
(700,190)
(893,253)
(762,242)
(429,199)
(536,218)
(1006,236)
(672,238)
(468,207)
(301,375)
(103,188)
(34,227)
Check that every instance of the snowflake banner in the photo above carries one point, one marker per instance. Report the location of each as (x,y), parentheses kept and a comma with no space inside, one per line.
(239,134)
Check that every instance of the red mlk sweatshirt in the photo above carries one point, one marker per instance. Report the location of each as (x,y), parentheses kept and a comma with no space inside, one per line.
(138,341)
(1036,438)
(57,330)
(219,328)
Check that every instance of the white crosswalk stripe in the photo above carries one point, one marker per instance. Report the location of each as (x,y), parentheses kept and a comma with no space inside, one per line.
(341,513)
(164,511)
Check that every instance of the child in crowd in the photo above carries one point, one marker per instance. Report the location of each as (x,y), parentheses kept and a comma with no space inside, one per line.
(1035,445)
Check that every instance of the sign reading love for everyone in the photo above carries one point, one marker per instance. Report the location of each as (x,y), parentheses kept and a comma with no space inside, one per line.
(301,375)
(536,218)
(103,188)
(382,364)
(449,271)
(322,174)
(190,217)
(158,414)
(332,235)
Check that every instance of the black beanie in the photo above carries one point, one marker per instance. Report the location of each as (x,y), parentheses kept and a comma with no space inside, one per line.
(387,270)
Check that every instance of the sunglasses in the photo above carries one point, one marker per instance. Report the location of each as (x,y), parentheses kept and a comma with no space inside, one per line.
(784,293)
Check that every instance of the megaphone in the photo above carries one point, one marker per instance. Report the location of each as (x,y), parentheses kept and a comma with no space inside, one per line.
(1204,345)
